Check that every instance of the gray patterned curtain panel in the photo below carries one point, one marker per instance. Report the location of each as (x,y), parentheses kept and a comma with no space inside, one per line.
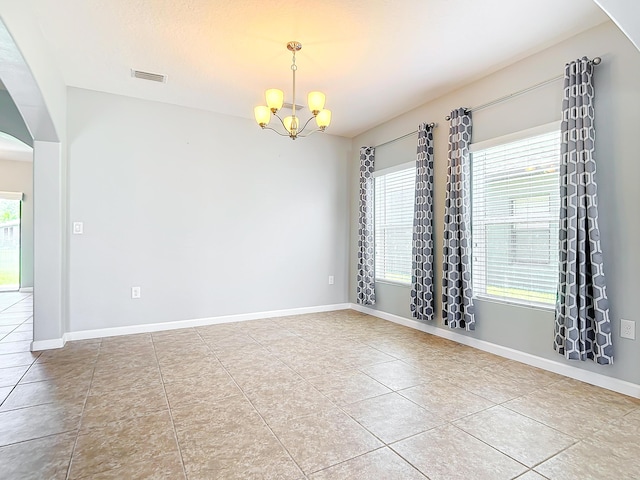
(366,252)
(457,303)
(422,248)
(582,326)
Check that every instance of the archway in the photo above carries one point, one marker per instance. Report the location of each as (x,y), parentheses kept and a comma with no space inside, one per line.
(49,193)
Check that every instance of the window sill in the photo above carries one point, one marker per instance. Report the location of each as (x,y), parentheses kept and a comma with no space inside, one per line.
(391,282)
(515,303)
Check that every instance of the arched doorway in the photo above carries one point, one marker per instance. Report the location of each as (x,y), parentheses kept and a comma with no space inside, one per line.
(49,185)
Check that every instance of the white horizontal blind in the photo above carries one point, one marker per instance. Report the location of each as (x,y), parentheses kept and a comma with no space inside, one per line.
(515,210)
(394,198)
(11,196)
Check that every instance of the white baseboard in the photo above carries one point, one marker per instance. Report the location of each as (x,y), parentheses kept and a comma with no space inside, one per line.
(199,322)
(38,345)
(570,371)
(26,290)
(597,379)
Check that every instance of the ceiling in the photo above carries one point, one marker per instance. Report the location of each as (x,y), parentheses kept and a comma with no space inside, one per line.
(374,59)
(13,149)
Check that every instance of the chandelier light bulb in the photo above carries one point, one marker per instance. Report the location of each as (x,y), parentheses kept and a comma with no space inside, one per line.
(275,99)
(263,115)
(291,124)
(323,119)
(316,101)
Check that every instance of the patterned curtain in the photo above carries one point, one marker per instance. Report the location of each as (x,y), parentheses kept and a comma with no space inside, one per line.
(422,261)
(366,272)
(582,326)
(457,303)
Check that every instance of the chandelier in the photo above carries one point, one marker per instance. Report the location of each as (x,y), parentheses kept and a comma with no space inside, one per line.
(291,124)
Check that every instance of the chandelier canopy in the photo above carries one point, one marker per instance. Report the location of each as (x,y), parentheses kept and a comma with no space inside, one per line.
(291,123)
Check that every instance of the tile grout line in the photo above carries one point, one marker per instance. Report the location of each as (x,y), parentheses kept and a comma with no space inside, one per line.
(84,404)
(16,327)
(447,423)
(3,311)
(341,409)
(14,386)
(166,399)
(251,403)
(556,454)
(14,304)
(385,444)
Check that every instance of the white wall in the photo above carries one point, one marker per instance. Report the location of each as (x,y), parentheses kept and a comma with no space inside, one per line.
(617,106)
(208,214)
(28,70)
(18,177)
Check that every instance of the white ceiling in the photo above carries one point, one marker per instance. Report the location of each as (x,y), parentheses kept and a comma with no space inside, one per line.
(374,59)
(13,149)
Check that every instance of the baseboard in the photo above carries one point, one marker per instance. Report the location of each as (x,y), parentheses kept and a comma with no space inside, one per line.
(199,322)
(610,383)
(597,379)
(26,290)
(38,345)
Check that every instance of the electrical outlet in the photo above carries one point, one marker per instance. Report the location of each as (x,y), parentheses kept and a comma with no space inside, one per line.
(331,280)
(135,292)
(628,329)
(78,228)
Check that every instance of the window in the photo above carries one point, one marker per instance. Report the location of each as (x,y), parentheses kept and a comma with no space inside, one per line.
(394,198)
(515,210)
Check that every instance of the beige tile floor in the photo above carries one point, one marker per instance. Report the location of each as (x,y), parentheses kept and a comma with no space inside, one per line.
(338,395)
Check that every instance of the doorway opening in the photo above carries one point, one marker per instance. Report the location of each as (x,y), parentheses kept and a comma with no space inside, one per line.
(10,213)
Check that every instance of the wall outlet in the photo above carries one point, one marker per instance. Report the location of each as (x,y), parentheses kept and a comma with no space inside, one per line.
(628,329)
(331,280)
(78,228)
(135,292)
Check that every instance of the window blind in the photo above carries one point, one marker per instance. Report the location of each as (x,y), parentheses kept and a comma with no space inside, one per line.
(394,198)
(515,210)
(11,196)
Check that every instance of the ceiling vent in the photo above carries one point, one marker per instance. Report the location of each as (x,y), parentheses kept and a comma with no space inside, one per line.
(153,77)
(290,106)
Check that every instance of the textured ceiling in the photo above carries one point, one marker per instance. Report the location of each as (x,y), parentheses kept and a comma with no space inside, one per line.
(374,59)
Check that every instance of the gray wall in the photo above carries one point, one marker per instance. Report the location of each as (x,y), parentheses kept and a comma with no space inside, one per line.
(617,106)
(208,214)
(18,177)
(11,121)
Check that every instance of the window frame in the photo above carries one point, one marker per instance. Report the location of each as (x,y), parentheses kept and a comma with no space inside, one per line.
(380,173)
(553,127)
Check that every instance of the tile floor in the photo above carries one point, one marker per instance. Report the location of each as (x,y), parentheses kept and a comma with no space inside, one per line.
(338,395)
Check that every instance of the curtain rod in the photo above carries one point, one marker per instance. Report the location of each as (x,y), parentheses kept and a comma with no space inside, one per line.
(595,61)
(432,125)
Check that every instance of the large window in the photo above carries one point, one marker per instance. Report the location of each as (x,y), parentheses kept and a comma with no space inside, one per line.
(515,210)
(394,198)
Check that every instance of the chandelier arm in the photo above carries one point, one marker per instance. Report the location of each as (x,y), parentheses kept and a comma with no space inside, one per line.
(305,125)
(281,121)
(310,133)
(293,131)
(274,130)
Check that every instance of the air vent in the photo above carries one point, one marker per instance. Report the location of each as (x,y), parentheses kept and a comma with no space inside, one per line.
(290,106)
(153,77)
